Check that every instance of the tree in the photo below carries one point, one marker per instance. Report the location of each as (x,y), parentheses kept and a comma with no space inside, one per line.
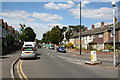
(22,35)
(46,36)
(10,40)
(56,35)
(29,34)
(69,34)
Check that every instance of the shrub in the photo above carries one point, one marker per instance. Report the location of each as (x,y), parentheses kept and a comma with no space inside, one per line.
(10,40)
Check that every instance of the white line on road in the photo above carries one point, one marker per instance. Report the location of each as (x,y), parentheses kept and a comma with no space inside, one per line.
(105,59)
(71,60)
(53,56)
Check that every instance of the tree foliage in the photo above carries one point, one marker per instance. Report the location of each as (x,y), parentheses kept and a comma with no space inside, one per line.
(10,40)
(54,36)
(27,33)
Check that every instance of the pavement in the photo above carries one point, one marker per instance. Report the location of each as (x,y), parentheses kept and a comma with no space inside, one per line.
(7,61)
(108,58)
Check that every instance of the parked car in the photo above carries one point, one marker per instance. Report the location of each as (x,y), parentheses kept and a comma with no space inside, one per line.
(28,52)
(39,46)
(61,49)
(51,47)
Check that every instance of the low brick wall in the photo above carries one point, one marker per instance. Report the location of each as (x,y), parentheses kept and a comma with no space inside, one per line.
(98,52)
(9,50)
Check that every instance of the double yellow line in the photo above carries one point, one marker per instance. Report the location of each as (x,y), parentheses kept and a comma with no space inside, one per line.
(20,72)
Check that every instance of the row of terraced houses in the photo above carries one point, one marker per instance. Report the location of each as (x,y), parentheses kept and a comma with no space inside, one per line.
(98,38)
(8,30)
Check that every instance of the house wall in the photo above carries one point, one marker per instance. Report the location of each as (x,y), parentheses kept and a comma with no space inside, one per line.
(106,36)
(118,35)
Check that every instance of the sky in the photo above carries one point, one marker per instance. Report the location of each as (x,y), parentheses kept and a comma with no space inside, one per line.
(42,16)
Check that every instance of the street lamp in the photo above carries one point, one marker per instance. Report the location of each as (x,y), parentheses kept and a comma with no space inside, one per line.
(114,60)
(79,28)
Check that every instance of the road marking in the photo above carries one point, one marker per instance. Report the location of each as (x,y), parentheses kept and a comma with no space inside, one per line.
(71,60)
(19,71)
(53,56)
(22,71)
(105,59)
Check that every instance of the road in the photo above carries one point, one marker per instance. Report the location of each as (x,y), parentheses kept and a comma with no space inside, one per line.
(51,64)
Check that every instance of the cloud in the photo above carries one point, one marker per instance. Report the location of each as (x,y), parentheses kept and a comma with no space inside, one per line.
(83,4)
(17,14)
(110,0)
(60,25)
(22,15)
(47,17)
(101,13)
(58,6)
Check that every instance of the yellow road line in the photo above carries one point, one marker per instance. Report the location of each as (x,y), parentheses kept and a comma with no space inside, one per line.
(19,71)
(22,71)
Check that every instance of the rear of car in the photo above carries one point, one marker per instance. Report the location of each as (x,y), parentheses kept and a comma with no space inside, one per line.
(51,47)
(28,52)
(61,49)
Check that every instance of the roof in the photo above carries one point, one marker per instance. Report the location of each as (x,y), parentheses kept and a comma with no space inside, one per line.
(111,41)
(98,30)
(1,22)
(75,34)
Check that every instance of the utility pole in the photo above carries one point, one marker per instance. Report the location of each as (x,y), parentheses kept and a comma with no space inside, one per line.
(114,57)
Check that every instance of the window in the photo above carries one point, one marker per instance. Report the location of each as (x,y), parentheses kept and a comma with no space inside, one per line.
(90,37)
(100,35)
(111,35)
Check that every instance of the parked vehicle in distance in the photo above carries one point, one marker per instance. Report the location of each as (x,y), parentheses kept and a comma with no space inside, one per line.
(30,44)
(39,46)
(28,52)
(51,47)
(61,49)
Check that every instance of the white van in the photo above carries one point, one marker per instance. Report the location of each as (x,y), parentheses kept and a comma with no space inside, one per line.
(29,44)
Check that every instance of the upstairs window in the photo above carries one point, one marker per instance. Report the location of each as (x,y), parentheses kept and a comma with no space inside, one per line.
(100,35)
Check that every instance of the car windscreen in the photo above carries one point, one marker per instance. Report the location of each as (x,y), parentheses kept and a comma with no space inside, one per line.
(27,49)
(62,47)
(28,45)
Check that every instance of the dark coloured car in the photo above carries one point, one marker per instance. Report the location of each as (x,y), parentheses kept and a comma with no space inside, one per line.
(39,46)
(61,49)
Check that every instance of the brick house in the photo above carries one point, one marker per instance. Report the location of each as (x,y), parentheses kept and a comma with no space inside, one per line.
(7,30)
(98,38)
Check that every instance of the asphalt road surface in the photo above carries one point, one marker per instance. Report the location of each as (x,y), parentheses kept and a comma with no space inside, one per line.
(52,64)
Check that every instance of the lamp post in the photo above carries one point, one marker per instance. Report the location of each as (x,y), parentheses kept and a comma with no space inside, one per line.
(79,28)
(80,31)
(114,57)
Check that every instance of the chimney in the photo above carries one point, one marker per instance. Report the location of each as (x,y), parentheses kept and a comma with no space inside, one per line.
(102,24)
(93,26)
(86,29)
(115,19)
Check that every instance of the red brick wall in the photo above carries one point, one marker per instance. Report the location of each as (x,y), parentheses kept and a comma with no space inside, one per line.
(98,40)
(106,36)
(117,35)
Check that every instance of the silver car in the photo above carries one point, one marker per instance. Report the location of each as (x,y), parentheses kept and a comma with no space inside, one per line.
(29,52)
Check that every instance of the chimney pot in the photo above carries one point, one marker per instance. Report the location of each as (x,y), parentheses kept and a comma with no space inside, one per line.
(93,26)
(115,19)
(86,29)
(102,24)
